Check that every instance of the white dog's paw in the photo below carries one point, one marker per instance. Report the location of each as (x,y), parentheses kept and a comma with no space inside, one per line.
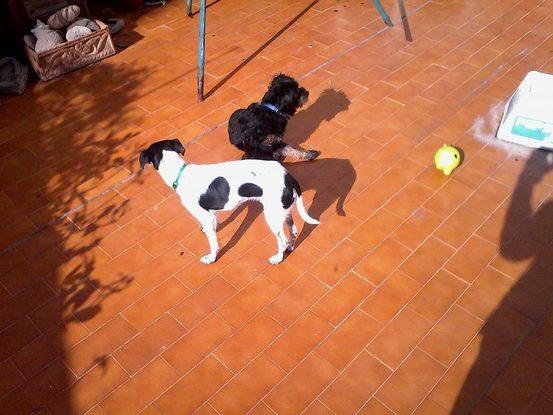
(275,259)
(208,259)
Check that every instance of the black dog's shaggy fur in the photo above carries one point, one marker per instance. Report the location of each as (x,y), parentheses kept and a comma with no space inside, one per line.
(258,130)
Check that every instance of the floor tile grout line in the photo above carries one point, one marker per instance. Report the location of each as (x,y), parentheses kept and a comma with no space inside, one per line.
(90,333)
(379,244)
(163,281)
(264,404)
(544,384)
(415,347)
(304,411)
(211,406)
(341,372)
(365,349)
(384,404)
(234,373)
(373,286)
(266,265)
(303,274)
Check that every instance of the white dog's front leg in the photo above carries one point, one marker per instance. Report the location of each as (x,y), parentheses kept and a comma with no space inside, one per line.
(209,231)
(208,222)
(282,243)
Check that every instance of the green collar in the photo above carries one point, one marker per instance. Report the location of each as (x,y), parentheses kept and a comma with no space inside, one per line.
(176,182)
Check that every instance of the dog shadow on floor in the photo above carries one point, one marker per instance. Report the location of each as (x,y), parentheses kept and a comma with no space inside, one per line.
(327,106)
(331,179)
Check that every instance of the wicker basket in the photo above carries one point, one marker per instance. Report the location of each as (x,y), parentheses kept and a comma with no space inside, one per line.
(67,56)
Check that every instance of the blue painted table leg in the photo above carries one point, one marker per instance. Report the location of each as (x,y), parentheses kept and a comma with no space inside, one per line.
(383,13)
(201,51)
(189,8)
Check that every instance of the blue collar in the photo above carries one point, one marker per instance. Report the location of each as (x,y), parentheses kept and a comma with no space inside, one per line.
(271,107)
(274,109)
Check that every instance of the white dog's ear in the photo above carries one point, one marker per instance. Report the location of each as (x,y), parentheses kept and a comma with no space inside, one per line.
(178,147)
(144,158)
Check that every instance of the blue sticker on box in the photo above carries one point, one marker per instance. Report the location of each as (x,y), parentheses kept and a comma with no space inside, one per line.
(530,128)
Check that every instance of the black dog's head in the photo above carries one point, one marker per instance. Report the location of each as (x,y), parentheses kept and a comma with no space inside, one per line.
(154,153)
(285,93)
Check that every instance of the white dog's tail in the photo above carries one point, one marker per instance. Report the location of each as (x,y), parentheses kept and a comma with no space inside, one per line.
(303,213)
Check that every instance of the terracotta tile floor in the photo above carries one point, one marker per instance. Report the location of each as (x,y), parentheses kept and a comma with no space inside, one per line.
(417,294)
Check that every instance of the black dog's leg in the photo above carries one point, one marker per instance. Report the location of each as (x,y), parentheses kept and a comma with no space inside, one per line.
(299,154)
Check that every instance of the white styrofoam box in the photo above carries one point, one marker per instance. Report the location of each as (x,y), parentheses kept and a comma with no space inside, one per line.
(528,115)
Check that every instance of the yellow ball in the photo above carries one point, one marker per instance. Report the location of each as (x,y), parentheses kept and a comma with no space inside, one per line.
(447,159)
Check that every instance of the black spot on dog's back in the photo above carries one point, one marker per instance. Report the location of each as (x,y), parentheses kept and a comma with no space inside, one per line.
(216,195)
(250,190)
(290,184)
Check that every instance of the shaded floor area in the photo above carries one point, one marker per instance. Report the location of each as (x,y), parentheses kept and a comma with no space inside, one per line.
(418,293)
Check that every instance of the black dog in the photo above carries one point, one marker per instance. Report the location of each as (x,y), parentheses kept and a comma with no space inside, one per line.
(259,129)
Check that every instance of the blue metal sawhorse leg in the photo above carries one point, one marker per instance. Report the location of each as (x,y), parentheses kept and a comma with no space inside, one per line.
(383,13)
(201,45)
(189,8)
(201,51)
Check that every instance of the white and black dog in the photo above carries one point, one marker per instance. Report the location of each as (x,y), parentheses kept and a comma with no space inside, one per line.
(208,188)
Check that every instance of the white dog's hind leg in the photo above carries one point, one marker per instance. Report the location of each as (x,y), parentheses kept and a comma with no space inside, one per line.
(214,219)
(275,219)
(293,232)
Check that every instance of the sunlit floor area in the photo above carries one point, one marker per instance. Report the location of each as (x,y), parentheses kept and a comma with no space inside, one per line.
(419,293)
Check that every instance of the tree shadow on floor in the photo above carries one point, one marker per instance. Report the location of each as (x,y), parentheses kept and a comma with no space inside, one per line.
(65,145)
(516,349)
